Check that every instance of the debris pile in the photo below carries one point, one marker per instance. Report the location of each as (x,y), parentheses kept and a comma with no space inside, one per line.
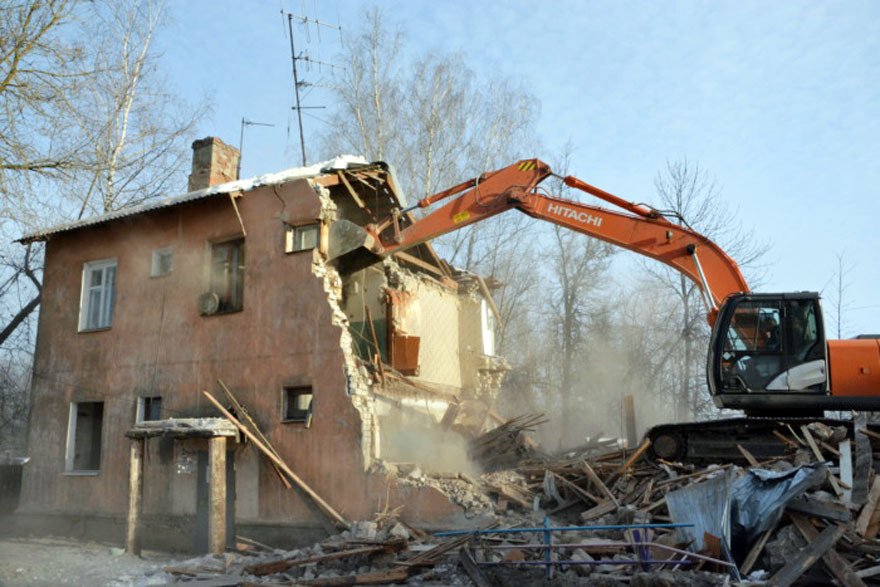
(809,516)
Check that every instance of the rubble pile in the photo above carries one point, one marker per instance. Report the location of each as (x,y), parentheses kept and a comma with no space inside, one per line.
(811,516)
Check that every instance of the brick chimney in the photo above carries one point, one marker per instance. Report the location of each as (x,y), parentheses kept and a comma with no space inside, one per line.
(214,162)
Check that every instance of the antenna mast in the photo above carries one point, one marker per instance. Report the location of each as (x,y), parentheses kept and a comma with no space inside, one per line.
(294,57)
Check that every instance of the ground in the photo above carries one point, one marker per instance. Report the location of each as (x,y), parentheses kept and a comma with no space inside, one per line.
(47,562)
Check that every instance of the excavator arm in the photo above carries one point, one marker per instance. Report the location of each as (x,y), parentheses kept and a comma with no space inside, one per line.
(637,228)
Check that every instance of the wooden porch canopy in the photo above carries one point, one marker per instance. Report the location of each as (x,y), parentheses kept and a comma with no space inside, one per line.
(216,430)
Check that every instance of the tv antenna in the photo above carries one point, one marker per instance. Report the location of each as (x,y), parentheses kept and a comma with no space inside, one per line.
(304,57)
(244,124)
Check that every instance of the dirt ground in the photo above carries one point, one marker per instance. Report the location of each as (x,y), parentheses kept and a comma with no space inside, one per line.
(45,562)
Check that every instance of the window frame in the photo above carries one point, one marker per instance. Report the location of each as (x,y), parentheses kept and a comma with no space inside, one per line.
(234,287)
(156,261)
(70,446)
(306,417)
(293,235)
(140,415)
(89,267)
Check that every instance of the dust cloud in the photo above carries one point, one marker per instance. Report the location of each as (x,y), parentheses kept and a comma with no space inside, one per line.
(411,437)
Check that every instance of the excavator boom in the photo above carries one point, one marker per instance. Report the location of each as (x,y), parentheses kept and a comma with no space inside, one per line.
(639,229)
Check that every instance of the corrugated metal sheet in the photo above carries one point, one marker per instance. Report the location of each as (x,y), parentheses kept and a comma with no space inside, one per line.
(243,185)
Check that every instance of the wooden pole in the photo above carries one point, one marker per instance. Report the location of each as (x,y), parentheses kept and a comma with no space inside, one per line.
(135,497)
(325,507)
(629,417)
(217,524)
(256,429)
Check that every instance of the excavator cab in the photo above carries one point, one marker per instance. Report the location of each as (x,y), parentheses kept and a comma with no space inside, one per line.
(764,348)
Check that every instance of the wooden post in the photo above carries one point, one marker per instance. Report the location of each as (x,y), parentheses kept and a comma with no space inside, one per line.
(629,418)
(217,524)
(135,497)
(325,507)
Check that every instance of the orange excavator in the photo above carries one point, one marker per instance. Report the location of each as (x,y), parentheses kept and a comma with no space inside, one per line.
(768,353)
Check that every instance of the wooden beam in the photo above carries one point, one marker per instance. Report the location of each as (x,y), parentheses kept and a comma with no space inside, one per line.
(217,517)
(412,259)
(807,557)
(325,507)
(354,195)
(835,563)
(755,552)
(629,419)
(863,460)
(869,510)
(753,462)
(821,458)
(256,429)
(135,497)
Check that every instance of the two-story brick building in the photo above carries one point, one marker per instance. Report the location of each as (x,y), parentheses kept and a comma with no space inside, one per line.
(145,307)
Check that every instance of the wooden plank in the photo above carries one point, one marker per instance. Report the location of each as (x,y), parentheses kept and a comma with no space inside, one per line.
(846,469)
(279,566)
(811,441)
(378,354)
(807,557)
(354,195)
(869,572)
(325,507)
(594,478)
(413,260)
(835,563)
(755,552)
(748,456)
(217,517)
(606,507)
(135,497)
(822,509)
(863,460)
(867,513)
(470,567)
(581,492)
(629,419)
(629,463)
(255,429)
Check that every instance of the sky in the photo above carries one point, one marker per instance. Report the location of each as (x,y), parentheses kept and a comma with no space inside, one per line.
(778,101)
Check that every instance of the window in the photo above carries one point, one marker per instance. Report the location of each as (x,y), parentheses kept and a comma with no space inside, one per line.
(162,262)
(297,404)
(98,295)
(227,275)
(149,408)
(302,238)
(84,437)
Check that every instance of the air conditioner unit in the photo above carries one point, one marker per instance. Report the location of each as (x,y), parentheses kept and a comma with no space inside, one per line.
(209,303)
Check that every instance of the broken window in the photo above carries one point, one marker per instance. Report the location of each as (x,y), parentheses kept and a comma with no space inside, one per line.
(297,404)
(98,295)
(84,437)
(302,238)
(149,408)
(227,275)
(162,262)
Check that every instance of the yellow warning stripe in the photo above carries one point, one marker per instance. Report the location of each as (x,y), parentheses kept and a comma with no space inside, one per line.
(460,217)
(527,165)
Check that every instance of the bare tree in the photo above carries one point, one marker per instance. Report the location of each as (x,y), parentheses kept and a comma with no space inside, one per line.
(577,266)
(86,126)
(690,195)
(838,297)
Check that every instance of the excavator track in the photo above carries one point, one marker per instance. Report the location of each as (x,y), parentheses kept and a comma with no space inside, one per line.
(717,441)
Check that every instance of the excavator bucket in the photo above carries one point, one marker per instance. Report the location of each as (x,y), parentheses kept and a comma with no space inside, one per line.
(350,247)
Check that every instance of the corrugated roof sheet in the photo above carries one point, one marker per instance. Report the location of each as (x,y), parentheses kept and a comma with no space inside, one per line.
(242,185)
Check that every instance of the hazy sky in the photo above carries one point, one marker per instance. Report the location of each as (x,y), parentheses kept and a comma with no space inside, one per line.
(779,101)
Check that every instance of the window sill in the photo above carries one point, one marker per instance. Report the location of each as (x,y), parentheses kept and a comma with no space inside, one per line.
(222,313)
(81,473)
(303,421)
(87,330)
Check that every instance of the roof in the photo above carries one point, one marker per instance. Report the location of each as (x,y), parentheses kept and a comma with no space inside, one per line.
(241,185)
